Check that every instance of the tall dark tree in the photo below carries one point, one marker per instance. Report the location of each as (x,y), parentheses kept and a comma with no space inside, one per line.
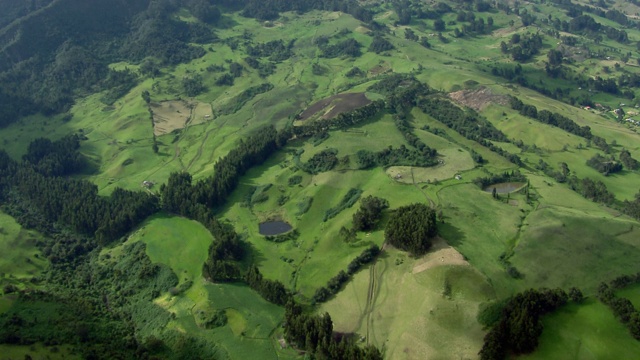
(411,228)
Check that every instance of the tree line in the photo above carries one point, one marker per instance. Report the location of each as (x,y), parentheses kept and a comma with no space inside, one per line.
(622,308)
(507,176)
(519,326)
(315,334)
(335,284)
(342,121)
(549,118)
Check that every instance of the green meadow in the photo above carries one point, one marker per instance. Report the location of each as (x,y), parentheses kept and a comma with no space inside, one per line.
(21,260)
(411,307)
(585,331)
(414,307)
(182,244)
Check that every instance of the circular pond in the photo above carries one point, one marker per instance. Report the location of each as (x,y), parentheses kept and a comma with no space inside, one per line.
(270,228)
(505,188)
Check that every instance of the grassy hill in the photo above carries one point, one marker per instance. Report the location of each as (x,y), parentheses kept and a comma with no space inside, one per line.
(257,70)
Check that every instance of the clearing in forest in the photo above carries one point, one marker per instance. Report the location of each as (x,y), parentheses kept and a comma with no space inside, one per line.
(176,114)
(479,98)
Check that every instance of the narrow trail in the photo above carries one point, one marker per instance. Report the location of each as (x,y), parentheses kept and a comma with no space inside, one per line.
(176,153)
(413,180)
(371,295)
(512,244)
(368,309)
(181,136)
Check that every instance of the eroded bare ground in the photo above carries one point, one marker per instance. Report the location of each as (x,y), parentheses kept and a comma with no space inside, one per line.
(332,106)
(479,98)
(440,254)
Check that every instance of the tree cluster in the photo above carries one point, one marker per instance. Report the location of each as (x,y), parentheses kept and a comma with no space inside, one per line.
(411,228)
(467,124)
(264,68)
(407,131)
(391,156)
(507,176)
(369,213)
(604,165)
(632,207)
(628,162)
(520,325)
(380,44)
(36,186)
(275,50)
(342,121)
(594,190)
(346,48)
(522,47)
(322,161)
(315,334)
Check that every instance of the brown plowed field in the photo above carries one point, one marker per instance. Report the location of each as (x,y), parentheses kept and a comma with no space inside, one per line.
(334,105)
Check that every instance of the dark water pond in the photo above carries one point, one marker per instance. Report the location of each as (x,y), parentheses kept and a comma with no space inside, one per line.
(274,227)
(504,188)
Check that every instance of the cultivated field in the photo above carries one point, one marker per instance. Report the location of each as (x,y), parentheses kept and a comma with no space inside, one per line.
(412,308)
(172,115)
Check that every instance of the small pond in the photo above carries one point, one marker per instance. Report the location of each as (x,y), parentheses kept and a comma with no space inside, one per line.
(504,188)
(271,228)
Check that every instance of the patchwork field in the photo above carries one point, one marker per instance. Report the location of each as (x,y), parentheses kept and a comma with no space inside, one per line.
(488,248)
(169,116)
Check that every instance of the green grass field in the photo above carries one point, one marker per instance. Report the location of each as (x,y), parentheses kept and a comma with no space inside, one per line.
(585,331)
(632,293)
(183,245)
(558,239)
(180,243)
(21,260)
(409,313)
(563,249)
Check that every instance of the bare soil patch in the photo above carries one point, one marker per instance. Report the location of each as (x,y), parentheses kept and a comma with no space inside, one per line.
(335,105)
(176,114)
(440,254)
(502,32)
(379,69)
(479,98)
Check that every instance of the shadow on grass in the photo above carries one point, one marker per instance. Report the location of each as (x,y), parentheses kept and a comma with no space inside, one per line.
(451,234)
